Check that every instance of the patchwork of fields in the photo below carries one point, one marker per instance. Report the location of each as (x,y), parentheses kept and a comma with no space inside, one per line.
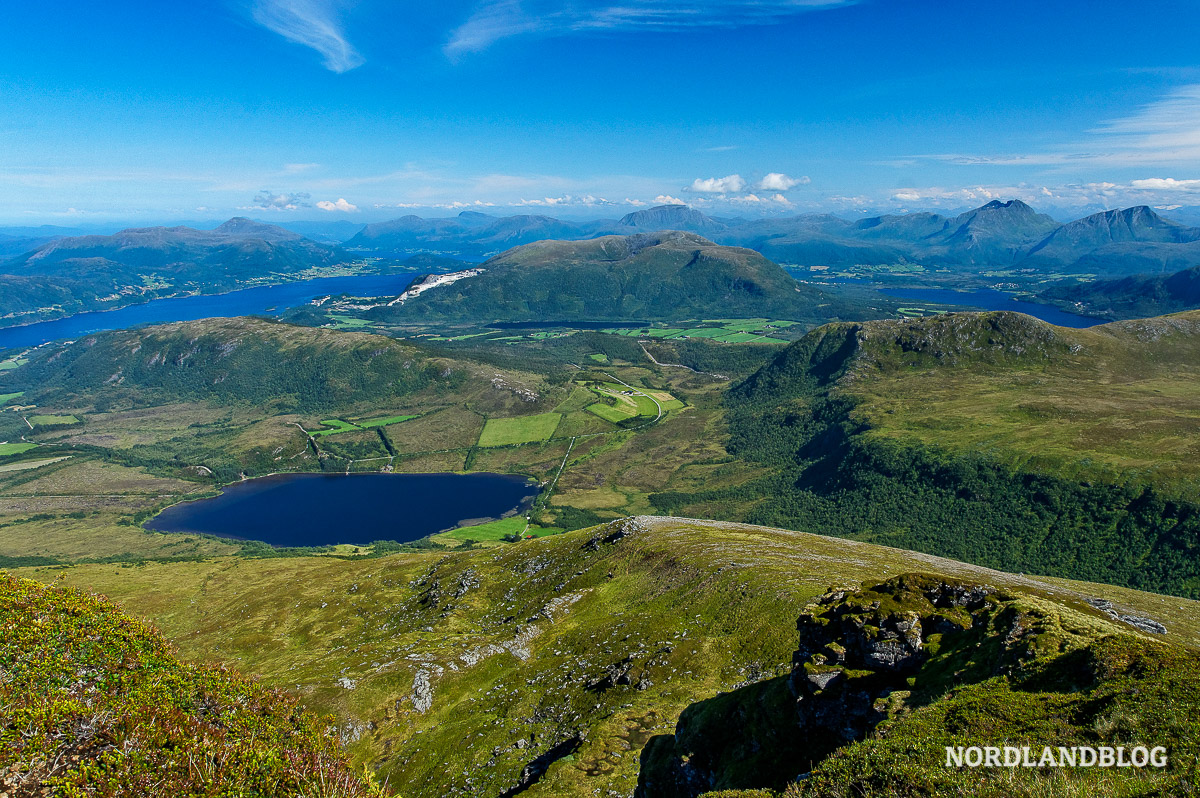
(726,331)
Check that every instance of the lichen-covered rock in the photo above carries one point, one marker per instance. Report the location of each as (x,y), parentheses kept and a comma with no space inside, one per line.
(858,648)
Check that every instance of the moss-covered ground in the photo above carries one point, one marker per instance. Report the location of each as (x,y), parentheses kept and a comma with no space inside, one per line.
(94,703)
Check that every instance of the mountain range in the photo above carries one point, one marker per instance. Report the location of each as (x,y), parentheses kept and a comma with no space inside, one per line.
(100,272)
(999,234)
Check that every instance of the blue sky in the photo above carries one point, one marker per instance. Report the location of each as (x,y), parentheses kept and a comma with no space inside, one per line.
(372,109)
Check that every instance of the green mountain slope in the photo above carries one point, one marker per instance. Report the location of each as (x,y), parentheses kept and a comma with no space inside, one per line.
(94,702)
(252,361)
(669,275)
(1136,297)
(557,667)
(993,438)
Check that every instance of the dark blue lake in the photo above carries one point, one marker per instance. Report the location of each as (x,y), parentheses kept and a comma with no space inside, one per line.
(326,509)
(990,299)
(265,300)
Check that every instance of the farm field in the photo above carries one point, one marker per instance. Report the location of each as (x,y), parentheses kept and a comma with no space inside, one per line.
(523,429)
(492,532)
(8,397)
(12,363)
(52,420)
(339,426)
(617,405)
(728,331)
(15,448)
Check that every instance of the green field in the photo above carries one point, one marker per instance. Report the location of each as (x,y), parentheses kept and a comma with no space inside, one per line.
(383,422)
(343,322)
(8,397)
(496,530)
(9,365)
(338,425)
(525,429)
(50,421)
(599,358)
(15,448)
(616,414)
(748,338)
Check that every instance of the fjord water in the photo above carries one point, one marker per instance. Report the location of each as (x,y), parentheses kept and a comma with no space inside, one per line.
(991,299)
(327,509)
(264,300)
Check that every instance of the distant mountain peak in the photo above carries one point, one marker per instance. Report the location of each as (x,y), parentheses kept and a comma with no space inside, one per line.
(670,217)
(241,227)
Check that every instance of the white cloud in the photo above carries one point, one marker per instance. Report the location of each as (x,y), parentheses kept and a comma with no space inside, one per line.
(667,199)
(499,19)
(312,23)
(907,196)
(1166,184)
(637,203)
(271,201)
(340,205)
(297,168)
(731,184)
(776,181)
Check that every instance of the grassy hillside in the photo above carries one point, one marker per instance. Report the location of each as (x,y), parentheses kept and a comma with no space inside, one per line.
(885,678)
(990,437)
(248,361)
(550,665)
(94,702)
(670,275)
(558,659)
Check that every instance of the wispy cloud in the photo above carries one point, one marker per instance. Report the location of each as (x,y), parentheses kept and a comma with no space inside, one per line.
(312,23)
(500,19)
(272,201)
(1166,131)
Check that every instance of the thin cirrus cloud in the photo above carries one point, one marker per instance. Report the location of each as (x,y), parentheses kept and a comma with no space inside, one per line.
(1165,131)
(315,24)
(280,201)
(494,20)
